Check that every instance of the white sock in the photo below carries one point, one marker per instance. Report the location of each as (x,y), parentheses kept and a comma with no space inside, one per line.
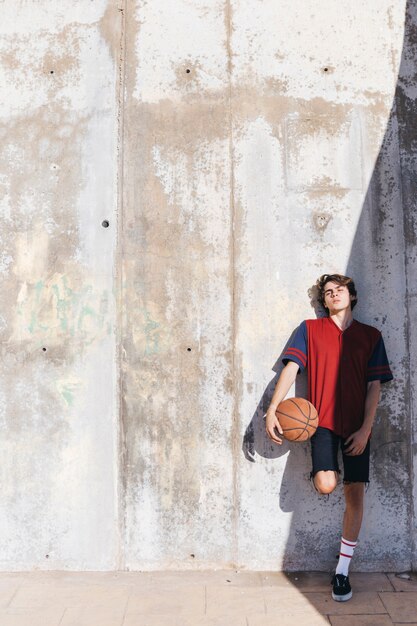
(346,553)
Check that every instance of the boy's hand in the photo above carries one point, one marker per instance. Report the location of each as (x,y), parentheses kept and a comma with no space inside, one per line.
(272,426)
(356,443)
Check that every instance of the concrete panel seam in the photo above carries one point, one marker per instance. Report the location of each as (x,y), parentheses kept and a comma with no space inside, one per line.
(235,404)
(121,557)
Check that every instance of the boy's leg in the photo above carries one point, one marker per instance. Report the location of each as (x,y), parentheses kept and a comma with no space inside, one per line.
(324,448)
(356,474)
(352,519)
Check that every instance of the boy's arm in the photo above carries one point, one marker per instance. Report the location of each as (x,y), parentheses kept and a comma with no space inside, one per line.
(371,403)
(359,439)
(285,380)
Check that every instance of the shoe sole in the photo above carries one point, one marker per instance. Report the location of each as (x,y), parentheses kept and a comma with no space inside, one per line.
(346,596)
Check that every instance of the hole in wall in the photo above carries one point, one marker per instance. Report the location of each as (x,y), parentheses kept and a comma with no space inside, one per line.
(321,221)
(105,223)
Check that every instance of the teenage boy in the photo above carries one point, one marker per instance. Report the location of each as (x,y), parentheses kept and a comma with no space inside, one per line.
(346,363)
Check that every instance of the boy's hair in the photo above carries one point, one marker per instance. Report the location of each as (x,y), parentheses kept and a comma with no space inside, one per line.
(340,280)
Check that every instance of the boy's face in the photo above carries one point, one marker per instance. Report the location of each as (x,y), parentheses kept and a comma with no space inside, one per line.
(336,297)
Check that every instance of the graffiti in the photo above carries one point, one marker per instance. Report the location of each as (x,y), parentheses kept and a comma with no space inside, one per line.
(52,309)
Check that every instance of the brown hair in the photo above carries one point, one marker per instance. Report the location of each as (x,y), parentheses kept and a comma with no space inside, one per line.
(340,280)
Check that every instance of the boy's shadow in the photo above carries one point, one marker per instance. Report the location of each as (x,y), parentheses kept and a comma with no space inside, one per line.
(297,491)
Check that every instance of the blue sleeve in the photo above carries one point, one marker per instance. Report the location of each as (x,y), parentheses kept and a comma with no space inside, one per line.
(297,350)
(378,366)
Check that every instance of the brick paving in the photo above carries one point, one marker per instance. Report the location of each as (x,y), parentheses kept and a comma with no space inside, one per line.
(202,598)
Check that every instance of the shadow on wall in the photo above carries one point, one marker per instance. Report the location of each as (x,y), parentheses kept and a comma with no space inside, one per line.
(377,264)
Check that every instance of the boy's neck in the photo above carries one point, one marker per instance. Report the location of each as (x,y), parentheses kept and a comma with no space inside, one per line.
(343,319)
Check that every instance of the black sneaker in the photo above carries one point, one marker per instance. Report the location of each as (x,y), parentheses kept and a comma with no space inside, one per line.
(342,590)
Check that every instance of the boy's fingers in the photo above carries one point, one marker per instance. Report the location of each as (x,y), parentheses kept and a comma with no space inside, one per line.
(280,432)
(273,436)
(351,451)
(279,428)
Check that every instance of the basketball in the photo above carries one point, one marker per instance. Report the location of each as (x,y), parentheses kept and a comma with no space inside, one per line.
(298,419)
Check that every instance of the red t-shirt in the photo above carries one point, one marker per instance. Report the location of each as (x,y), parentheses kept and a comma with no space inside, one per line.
(339,364)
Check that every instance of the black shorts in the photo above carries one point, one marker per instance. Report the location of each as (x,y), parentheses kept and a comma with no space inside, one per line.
(324,453)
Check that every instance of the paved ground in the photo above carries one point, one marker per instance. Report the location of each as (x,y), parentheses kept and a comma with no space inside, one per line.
(217,598)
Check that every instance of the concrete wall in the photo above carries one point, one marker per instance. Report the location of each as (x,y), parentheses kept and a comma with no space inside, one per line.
(238,150)
(59,394)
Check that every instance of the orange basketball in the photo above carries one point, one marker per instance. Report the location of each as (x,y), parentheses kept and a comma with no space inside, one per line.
(298,419)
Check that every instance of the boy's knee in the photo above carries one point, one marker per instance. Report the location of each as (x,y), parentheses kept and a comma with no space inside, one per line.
(325,481)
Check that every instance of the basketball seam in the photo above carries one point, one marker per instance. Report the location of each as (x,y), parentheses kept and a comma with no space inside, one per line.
(296,418)
(298,407)
(303,431)
(296,428)
(291,417)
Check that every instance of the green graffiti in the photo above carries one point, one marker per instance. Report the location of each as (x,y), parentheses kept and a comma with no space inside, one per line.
(85,311)
(151,337)
(33,317)
(71,309)
(68,397)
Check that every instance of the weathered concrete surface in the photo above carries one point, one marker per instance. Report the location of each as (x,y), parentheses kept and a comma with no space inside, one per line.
(59,72)
(239,150)
(177,388)
(310,117)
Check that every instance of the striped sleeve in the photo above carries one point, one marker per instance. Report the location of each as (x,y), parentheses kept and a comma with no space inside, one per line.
(378,366)
(297,349)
